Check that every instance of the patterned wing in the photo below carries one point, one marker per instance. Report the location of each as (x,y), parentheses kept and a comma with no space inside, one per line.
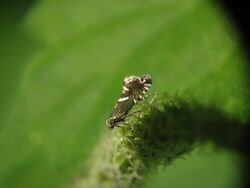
(123,105)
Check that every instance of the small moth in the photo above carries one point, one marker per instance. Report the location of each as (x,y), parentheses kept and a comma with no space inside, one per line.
(133,90)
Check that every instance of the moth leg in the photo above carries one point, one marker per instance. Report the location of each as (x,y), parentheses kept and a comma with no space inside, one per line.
(149,99)
(153,98)
(143,107)
(124,132)
(133,114)
(119,126)
(127,138)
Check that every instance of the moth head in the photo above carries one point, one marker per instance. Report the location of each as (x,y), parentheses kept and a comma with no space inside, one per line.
(146,79)
(134,84)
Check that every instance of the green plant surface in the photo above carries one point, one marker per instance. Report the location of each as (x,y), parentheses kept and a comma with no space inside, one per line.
(164,131)
(16,50)
(202,168)
(66,90)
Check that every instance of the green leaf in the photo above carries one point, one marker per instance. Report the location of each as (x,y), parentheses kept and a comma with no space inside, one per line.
(68,88)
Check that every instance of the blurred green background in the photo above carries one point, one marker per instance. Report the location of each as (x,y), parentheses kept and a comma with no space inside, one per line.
(62,65)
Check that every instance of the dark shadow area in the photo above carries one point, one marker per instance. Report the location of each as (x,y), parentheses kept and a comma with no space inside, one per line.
(11,12)
(170,131)
(239,13)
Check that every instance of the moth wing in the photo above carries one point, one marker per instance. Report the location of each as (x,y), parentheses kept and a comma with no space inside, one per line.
(122,107)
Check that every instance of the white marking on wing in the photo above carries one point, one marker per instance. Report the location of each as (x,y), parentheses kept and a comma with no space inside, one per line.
(135,101)
(141,97)
(129,79)
(147,85)
(125,88)
(123,99)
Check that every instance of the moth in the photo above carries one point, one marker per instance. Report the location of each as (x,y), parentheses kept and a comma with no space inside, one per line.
(133,91)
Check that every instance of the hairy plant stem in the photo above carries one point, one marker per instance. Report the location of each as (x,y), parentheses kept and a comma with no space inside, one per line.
(159,134)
